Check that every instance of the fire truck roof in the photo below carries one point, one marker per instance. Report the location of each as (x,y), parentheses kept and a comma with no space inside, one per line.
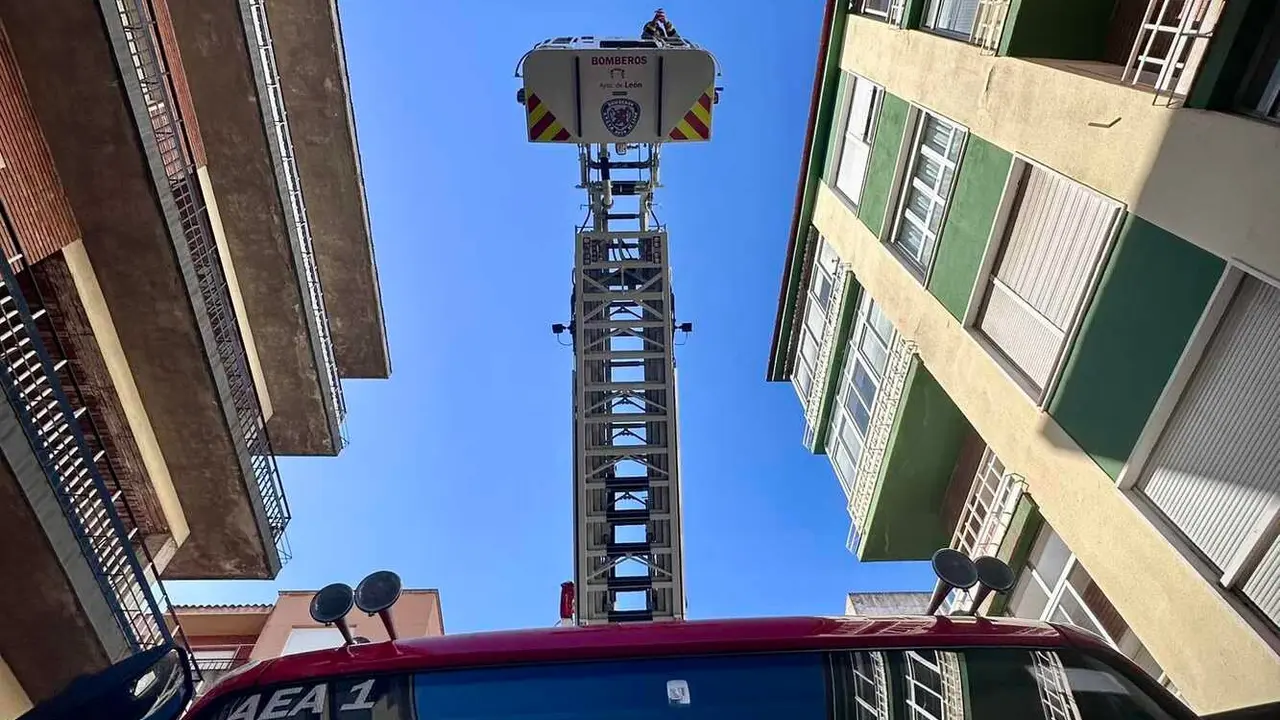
(657,639)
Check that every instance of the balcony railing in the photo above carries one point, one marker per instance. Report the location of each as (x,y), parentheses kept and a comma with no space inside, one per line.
(984,522)
(826,347)
(988,24)
(207,280)
(1170,44)
(213,668)
(91,503)
(279,122)
(879,430)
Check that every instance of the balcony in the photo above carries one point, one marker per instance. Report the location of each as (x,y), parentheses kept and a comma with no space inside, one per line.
(987,512)
(1153,44)
(861,482)
(150,268)
(820,343)
(262,218)
(307,38)
(904,470)
(70,532)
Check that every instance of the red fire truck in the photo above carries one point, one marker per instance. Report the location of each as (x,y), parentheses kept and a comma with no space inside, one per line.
(924,667)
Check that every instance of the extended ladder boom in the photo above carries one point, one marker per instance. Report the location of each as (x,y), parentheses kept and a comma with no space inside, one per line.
(620,101)
(627,479)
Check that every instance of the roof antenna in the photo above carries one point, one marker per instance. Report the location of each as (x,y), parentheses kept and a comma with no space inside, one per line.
(330,606)
(376,594)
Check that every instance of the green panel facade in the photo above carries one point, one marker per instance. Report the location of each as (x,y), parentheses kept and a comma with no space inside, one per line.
(1153,292)
(884,162)
(905,519)
(973,210)
(1240,29)
(1075,30)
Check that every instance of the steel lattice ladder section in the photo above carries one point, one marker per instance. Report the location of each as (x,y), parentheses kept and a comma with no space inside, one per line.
(627,482)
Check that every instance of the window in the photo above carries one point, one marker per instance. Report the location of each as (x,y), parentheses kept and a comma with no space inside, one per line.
(1045,267)
(1211,474)
(952,17)
(888,10)
(867,355)
(861,105)
(817,306)
(922,202)
(1056,587)
(302,640)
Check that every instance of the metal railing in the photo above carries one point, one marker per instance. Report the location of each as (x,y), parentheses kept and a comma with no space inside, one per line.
(279,121)
(145,54)
(212,669)
(822,374)
(879,429)
(1171,42)
(988,25)
(891,11)
(29,378)
(986,517)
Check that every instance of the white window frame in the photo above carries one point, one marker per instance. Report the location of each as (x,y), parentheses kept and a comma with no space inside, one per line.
(841,417)
(916,665)
(928,21)
(813,303)
(893,12)
(909,154)
(1061,586)
(1245,561)
(863,135)
(1021,166)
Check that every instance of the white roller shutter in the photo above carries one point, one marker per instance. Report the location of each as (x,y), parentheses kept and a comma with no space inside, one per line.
(1215,468)
(1055,238)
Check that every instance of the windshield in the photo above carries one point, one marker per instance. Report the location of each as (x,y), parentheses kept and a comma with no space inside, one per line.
(986,684)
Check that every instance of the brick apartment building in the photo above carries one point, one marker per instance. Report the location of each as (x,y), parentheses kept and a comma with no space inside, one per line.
(189,278)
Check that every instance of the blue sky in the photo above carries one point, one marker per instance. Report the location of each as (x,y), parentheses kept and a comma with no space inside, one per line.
(458,475)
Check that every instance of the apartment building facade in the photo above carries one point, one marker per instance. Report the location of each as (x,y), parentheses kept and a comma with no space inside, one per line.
(188,278)
(223,638)
(1030,308)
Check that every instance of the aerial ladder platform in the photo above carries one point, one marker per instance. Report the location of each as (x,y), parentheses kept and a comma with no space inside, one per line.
(621,102)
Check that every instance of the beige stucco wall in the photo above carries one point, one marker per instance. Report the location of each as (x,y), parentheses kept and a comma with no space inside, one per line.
(416,614)
(1207,648)
(233,286)
(1209,177)
(104,331)
(13,699)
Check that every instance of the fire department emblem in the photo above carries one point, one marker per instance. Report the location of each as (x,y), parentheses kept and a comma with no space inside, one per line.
(620,115)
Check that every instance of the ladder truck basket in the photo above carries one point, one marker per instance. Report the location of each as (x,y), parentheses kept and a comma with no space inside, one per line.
(587,90)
